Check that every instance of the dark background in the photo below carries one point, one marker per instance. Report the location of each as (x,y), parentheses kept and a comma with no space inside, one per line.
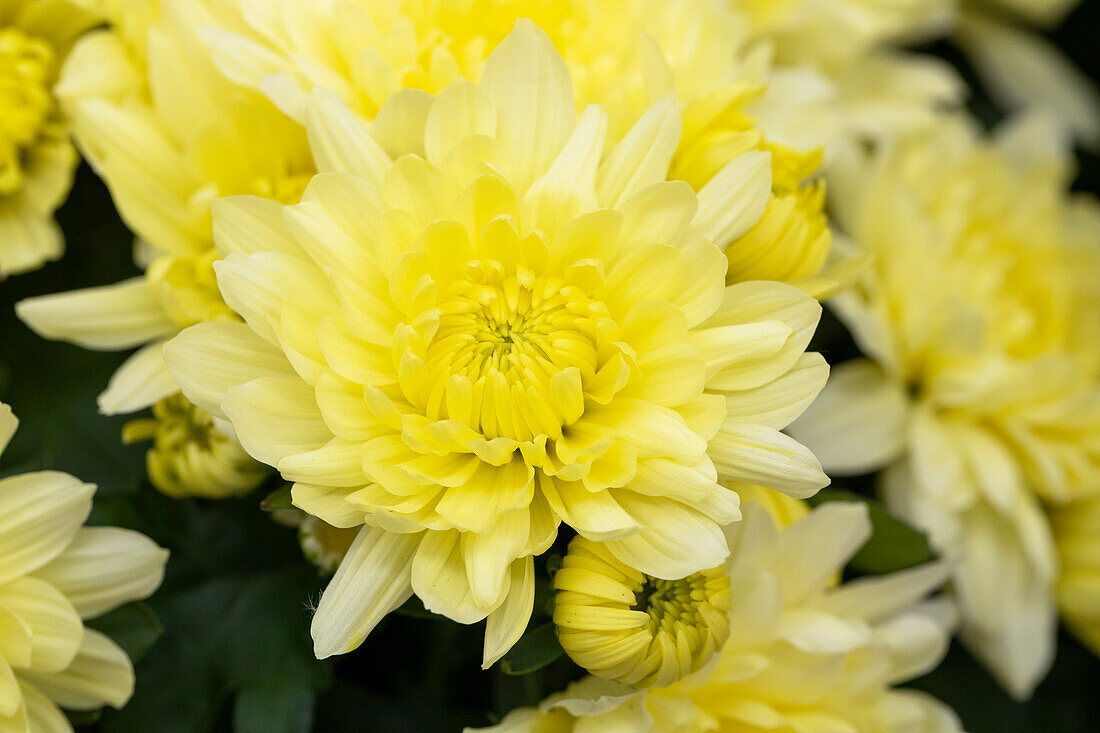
(225,644)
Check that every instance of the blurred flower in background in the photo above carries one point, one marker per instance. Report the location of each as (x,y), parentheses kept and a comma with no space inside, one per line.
(54,573)
(36,156)
(980,321)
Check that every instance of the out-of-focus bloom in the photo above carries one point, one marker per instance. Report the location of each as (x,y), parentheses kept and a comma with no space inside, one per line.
(1021,69)
(190,455)
(1077,535)
(168,135)
(36,157)
(982,323)
(803,653)
(324,545)
(874,90)
(623,625)
(697,49)
(54,573)
(477,325)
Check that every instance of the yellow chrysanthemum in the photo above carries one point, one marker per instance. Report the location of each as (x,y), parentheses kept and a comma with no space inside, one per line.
(623,625)
(803,653)
(53,574)
(697,49)
(870,88)
(36,157)
(1076,528)
(1003,40)
(982,323)
(190,455)
(169,135)
(477,325)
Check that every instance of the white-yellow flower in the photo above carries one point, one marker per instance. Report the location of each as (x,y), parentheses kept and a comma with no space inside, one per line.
(478,325)
(980,320)
(1022,70)
(36,157)
(697,49)
(1076,528)
(866,86)
(168,135)
(54,573)
(803,653)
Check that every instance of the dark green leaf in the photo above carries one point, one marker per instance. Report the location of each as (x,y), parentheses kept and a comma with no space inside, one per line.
(894,545)
(277,706)
(277,500)
(536,649)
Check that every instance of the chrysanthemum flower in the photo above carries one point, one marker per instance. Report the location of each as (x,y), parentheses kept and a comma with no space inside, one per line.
(1003,40)
(1076,528)
(803,653)
(980,318)
(190,456)
(53,574)
(872,87)
(623,625)
(477,325)
(165,156)
(697,49)
(168,135)
(36,157)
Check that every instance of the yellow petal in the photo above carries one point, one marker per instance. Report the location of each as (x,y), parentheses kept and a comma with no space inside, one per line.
(56,628)
(105,567)
(374,578)
(110,317)
(211,358)
(100,674)
(40,514)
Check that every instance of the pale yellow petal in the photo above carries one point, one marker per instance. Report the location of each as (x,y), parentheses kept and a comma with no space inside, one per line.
(374,578)
(211,358)
(142,380)
(110,317)
(105,567)
(101,674)
(40,514)
(276,417)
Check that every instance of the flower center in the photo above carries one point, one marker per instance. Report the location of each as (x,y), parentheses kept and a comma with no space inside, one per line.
(505,339)
(687,603)
(286,189)
(26,67)
(623,625)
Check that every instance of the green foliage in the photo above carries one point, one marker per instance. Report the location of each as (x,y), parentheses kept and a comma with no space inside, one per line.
(536,649)
(894,545)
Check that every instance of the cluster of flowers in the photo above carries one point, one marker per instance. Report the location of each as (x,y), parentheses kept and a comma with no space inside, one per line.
(476,275)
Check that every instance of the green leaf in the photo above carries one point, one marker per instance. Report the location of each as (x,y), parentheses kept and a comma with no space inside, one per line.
(278,499)
(894,545)
(134,627)
(538,648)
(275,706)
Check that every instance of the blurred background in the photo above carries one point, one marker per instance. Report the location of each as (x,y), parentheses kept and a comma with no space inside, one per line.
(224,646)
